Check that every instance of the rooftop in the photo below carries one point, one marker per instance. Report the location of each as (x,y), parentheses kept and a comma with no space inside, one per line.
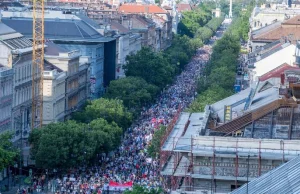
(119,27)
(183,7)
(293,21)
(138,8)
(277,72)
(283,179)
(4,29)
(54,49)
(10,4)
(58,29)
(49,67)
(276,31)
(14,40)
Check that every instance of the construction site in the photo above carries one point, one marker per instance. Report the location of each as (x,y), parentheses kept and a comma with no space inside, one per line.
(234,140)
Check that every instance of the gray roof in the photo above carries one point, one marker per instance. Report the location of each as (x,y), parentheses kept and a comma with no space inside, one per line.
(18,43)
(49,66)
(284,179)
(11,4)
(54,49)
(88,20)
(56,29)
(4,29)
(117,26)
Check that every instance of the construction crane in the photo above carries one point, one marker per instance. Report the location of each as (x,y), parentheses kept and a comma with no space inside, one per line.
(37,63)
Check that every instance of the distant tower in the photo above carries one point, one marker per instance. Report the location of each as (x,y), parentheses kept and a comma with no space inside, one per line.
(230,9)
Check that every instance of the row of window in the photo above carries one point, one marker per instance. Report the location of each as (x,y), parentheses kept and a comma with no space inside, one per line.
(5,112)
(6,89)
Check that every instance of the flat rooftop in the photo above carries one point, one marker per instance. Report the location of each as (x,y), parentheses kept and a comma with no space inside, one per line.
(177,131)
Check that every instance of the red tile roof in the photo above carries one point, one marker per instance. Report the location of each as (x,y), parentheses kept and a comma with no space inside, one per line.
(136,8)
(293,21)
(289,27)
(183,7)
(276,72)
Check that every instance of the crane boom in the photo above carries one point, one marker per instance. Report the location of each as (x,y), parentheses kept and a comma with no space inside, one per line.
(37,63)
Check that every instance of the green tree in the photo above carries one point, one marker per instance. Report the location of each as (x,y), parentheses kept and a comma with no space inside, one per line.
(69,144)
(154,148)
(210,96)
(108,136)
(62,145)
(111,110)
(222,77)
(7,152)
(133,91)
(192,20)
(151,66)
(204,33)
(202,84)
(142,190)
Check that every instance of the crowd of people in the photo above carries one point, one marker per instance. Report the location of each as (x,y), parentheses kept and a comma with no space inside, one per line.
(130,162)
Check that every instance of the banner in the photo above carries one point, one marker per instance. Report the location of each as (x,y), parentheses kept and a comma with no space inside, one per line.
(114,186)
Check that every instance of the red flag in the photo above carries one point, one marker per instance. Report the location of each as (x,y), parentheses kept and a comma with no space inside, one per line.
(120,186)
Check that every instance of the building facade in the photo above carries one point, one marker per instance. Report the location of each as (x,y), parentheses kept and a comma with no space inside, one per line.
(54,86)
(75,86)
(16,52)
(6,96)
(73,33)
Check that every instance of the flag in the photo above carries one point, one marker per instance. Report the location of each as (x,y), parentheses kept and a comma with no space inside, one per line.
(114,186)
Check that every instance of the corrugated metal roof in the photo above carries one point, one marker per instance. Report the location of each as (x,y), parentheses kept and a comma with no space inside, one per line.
(18,43)
(283,180)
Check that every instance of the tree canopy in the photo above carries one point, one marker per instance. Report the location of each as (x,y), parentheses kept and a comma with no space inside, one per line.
(151,66)
(108,109)
(133,91)
(142,190)
(192,20)
(220,71)
(154,148)
(7,152)
(209,96)
(61,145)
(69,144)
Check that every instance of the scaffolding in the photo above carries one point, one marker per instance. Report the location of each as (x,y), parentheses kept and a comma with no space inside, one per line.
(249,117)
(227,158)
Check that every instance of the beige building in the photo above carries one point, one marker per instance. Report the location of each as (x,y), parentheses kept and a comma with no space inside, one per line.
(73,83)
(53,94)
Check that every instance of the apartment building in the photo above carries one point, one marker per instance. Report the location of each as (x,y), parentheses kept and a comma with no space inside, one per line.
(16,52)
(127,43)
(73,33)
(71,85)
(157,21)
(6,96)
